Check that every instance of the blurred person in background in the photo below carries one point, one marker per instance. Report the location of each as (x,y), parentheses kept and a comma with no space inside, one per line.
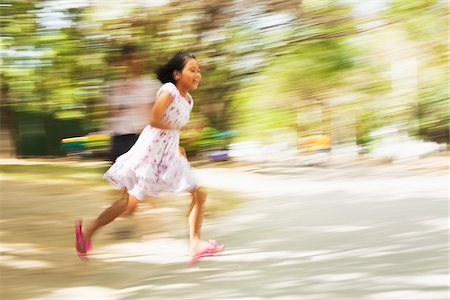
(130,101)
(156,163)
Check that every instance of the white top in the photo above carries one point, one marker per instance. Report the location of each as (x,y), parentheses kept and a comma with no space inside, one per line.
(131,101)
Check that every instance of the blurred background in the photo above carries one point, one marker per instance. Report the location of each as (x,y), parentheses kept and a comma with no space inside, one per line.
(320,128)
(353,77)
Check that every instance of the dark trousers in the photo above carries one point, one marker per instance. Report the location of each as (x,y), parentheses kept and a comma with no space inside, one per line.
(120,144)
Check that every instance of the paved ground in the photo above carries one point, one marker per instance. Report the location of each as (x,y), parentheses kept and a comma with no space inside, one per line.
(360,231)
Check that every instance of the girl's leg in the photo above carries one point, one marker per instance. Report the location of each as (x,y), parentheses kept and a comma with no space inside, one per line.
(131,207)
(125,203)
(196,245)
(196,214)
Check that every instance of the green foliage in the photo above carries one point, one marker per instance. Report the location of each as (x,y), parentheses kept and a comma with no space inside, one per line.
(434,114)
(426,22)
(257,74)
(366,121)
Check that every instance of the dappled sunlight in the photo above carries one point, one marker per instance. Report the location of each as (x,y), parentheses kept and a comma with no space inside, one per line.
(176,286)
(156,251)
(408,294)
(233,275)
(423,280)
(357,253)
(341,228)
(17,256)
(247,218)
(20,263)
(250,255)
(196,269)
(82,293)
(20,249)
(435,225)
(339,277)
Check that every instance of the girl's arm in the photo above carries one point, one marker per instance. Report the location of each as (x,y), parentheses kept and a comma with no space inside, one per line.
(157,115)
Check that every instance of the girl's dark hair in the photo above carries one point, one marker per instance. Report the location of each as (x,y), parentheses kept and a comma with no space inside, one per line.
(177,62)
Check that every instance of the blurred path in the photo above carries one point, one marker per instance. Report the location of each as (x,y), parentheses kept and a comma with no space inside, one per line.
(356,232)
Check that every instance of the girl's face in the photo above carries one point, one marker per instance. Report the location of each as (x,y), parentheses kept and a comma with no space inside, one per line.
(190,76)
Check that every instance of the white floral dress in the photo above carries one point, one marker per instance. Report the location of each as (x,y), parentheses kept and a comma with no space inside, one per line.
(154,164)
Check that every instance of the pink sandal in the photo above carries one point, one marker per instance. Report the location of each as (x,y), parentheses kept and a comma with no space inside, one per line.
(211,250)
(82,245)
